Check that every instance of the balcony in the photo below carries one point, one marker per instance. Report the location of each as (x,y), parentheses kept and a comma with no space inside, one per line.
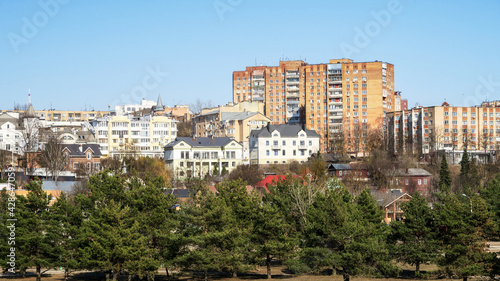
(292,89)
(337,94)
(292,82)
(292,75)
(292,101)
(275,146)
(334,81)
(332,88)
(292,95)
(336,71)
(302,146)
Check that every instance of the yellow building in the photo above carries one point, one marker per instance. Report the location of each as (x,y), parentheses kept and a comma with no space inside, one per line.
(424,130)
(341,98)
(121,136)
(233,120)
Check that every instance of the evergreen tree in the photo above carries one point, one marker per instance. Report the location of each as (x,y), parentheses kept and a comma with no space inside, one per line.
(463,222)
(444,176)
(153,210)
(64,224)
(273,235)
(413,239)
(35,244)
(220,233)
(491,195)
(369,209)
(333,222)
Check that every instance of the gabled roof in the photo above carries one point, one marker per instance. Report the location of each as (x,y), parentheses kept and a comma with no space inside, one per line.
(285,130)
(338,167)
(227,116)
(411,172)
(202,141)
(386,199)
(74,149)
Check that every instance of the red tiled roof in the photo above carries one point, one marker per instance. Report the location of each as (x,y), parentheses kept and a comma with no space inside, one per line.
(271,179)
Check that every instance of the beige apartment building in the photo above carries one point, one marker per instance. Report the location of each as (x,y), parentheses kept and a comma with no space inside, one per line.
(341,99)
(424,130)
(232,120)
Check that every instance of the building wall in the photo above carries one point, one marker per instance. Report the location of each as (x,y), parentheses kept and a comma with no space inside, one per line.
(281,150)
(428,129)
(146,136)
(322,97)
(185,160)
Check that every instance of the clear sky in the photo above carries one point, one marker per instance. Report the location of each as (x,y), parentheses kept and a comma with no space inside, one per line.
(88,54)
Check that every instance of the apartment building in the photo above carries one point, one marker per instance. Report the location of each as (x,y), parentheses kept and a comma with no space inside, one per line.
(121,136)
(199,156)
(423,130)
(279,144)
(341,97)
(233,120)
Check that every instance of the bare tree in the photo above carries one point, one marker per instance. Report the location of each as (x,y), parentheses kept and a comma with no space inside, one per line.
(4,161)
(53,158)
(28,145)
(199,105)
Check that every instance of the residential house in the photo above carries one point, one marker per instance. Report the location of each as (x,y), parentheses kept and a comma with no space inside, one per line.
(279,144)
(199,156)
(357,171)
(391,203)
(411,180)
(237,125)
(87,156)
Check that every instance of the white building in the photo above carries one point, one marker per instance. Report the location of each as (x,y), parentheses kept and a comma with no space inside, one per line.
(10,131)
(279,144)
(121,110)
(121,136)
(198,156)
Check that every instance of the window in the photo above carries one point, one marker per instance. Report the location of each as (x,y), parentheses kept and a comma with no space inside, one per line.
(294,143)
(267,152)
(267,143)
(276,152)
(294,153)
(406,182)
(419,182)
(283,152)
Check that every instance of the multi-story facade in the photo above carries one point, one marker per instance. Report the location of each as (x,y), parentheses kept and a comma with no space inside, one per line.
(197,157)
(424,130)
(121,136)
(233,120)
(279,144)
(10,131)
(341,97)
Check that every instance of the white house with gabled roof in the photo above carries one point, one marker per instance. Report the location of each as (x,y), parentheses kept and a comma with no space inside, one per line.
(198,156)
(279,144)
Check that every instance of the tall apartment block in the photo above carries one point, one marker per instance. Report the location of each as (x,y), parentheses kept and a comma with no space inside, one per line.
(424,130)
(340,98)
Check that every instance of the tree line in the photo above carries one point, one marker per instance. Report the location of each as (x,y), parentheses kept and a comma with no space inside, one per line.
(126,225)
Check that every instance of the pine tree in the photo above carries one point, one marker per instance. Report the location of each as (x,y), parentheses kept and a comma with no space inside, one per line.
(34,242)
(413,239)
(463,222)
(64,225)
(273,235)
(444,176)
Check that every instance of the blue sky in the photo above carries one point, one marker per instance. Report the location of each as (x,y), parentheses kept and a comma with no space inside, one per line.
(88,54)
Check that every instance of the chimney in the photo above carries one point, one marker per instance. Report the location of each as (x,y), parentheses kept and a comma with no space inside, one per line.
(81,148)
(212,137)
(407,170)
(194,138)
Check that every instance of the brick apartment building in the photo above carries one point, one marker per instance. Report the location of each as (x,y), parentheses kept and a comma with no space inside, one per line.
(339,98)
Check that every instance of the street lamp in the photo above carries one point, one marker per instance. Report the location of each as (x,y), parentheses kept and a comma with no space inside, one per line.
(463,194)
